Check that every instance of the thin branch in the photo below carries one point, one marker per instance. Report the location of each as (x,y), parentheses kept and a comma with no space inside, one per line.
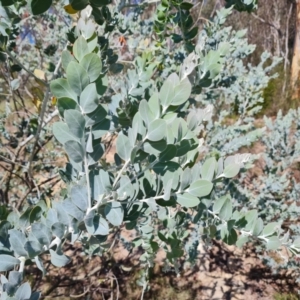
(286,60)
(118,288)
(18,150)
(86,168)
(266,22)
(41,117)
(121,171)
(144,289)
(79,296)
(17,175)
(199,14)
(39,129)
(7,160)
(32,190)
(23,67)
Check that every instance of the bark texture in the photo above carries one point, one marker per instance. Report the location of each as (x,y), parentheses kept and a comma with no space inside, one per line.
(295,67)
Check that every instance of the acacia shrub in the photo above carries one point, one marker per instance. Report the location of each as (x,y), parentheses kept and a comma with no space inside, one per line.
(166,109)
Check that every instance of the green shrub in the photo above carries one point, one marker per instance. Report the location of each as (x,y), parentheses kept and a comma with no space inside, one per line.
(172,188)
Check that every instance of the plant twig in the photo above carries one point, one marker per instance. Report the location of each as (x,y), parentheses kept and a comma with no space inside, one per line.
(39,129)
(20,203)
(18,150)
(286,59)
(79,296)
(41,117)
(27,70)
(121,171)
(86,169)
(266,22)
(7,160)
(118,289)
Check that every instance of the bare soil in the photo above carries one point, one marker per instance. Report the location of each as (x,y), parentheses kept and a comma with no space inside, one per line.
(221,272)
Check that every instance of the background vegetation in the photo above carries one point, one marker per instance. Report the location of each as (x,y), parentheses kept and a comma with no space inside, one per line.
(32,162)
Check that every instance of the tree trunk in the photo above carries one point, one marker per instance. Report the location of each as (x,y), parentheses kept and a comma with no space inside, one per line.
(295,68)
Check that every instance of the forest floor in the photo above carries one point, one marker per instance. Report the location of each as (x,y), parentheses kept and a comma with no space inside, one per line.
(220,272)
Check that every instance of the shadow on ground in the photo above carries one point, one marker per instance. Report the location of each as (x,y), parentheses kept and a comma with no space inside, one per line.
(220,273)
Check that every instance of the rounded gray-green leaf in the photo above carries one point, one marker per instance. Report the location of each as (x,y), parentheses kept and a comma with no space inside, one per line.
(87,28)
(8,262)
(147,229)
(77,77)
(101,85)
(33,248)
(208,169)
(146,112)
(270,228)
(251,218)
(96,116)
(231,170)
(42,233)
(72,209)
(89,144)
(23,292)
(14,277)
(62,132)
(40,6)
(80,48)
(166,93)
(123,146)
(95,224)
(155,148)
(76,122)
(61,89)
(258,227)
(100,183)
(58,229)
(187,200)
(92,64)
(182,92)
(98,151)
(89,99)
(35,296)
(65,104)
(66,58)
(59,260)
(138,123)
(35,214)
(114,213)
(219,202)
(17,241)
(74,151)
(157,130)
(154,105)
(103,228)
(79,196)
(100,129)
(185,179)
(273,243)
(168,154)
(242,240)
(226,210)
(200,188)
(79,4)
